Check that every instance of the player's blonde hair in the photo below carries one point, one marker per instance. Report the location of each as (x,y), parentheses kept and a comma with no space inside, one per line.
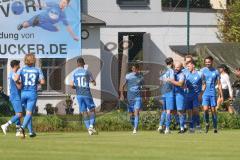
(29,59)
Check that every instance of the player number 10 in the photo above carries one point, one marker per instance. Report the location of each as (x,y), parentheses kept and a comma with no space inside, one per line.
(82,82)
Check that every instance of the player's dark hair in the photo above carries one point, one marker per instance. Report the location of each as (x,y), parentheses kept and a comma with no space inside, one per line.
(191,62)
(209,58)
(136,65)
(188,56)
(14,63)
(68,1)
(80,61)
(169,61)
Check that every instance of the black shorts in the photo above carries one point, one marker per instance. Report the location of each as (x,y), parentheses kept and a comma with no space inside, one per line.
(226,95)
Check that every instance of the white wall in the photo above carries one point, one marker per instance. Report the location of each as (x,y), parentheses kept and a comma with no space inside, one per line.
(110,12)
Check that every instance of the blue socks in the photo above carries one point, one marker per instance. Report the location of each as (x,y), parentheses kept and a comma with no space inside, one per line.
(132,119)
(15,119)
(181,121)
(168,120)
(29,126)
(214,119)
(92,119)
(162,119)
(87,122)
(136,119)
(26,120)
(206,117)
(177,119)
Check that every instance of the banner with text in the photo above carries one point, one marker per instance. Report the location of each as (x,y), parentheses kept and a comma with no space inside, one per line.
(47,28)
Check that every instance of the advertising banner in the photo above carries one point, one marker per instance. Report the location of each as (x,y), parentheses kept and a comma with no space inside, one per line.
(47,28)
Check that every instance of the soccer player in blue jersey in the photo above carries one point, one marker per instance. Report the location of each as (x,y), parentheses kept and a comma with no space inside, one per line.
(134,83)
(167,96)
(15,97)
(81,79)
(30,77)
(193,95)
(178,83)
(47,19)
(209,98)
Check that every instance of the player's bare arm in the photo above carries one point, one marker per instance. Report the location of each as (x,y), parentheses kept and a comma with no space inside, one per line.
(122,91)
(176,83)
(70,31)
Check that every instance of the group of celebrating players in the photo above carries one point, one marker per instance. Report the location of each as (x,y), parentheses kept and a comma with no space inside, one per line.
(183,91)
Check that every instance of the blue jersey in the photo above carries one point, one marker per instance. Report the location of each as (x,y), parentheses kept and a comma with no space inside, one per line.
(167,89)
(134,82)
(210,77)
(185,71)
(14,91)
(53,14)
(179,76)
(81,79)
(30,77)
(193,83)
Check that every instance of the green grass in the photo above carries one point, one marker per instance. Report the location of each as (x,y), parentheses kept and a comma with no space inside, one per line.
(122,146)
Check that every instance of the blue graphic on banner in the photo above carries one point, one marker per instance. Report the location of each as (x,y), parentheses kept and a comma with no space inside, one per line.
(47,28)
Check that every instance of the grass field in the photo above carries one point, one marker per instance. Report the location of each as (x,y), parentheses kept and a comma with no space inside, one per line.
(122,146)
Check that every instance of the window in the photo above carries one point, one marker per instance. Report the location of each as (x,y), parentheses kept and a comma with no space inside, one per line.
(133,2)
(2,71)
(183,3)
(54,74)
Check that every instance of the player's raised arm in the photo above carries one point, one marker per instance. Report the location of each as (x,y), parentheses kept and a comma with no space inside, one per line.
(176,83)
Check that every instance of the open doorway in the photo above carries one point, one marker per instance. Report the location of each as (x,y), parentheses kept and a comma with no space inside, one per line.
(130,50)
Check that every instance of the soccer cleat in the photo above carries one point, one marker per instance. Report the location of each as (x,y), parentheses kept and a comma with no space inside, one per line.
(181,132)
(206,128)
(20,27)
(4,128)
(22,132)
(215,131)
(160,129)
(32,135)
(191,130)
(198,128)
(18,134)
(134,131)
(93,130)
(167,131)
(90,132)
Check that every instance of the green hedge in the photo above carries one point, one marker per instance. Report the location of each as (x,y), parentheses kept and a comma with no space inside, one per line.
(115,121)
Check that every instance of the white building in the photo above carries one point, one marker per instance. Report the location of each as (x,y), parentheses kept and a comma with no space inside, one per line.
(152,27)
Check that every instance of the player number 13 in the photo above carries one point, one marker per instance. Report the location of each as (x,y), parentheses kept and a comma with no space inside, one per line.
(30,79)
